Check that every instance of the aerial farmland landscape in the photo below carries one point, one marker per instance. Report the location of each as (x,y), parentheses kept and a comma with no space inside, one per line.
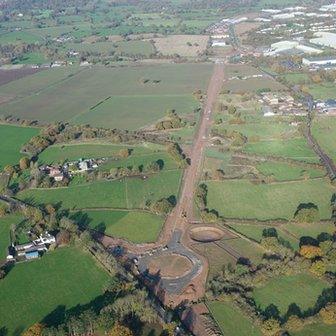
(167,168)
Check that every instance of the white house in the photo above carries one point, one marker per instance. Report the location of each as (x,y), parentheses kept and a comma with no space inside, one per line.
(319,61)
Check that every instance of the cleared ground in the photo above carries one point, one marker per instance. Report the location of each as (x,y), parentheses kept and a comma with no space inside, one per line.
(183,45)
(12,138)
(34,290)
(135,226)
(74,94)
(283,290)
(243,199)
(231,320)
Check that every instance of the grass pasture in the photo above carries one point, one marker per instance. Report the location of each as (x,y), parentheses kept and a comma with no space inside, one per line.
(286,172)
(296,149)
(74,151)
(283,290)
(323,91)
(65,277)
(5,226)
(128,193)
(324,130)
(242,199)
(143,110)
(73,95)
(316,329)
(135,226)
(12,138)
(231,320)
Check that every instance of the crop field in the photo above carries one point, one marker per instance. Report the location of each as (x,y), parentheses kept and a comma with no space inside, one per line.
(135,226)
(231,320)
(283,290)
(183,45)
(12,138)
(296,149)
(73,95)
(142,110)
(6,76)
(5,226)
(52,283)
(286,172)
(252,85)
(243,199)
(324,130)
(129,193)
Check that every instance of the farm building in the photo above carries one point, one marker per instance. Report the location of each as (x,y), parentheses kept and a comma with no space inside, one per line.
(328,106)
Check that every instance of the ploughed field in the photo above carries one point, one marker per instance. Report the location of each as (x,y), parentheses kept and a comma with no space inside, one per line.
(123,97)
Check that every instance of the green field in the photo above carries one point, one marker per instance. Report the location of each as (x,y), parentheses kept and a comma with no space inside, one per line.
(129,193)
(263,130)
(286,172)
(242,199)
(135,226)
(297,78)
(324,130)
(75,151)
(302,289)
(136,110)
(231,320)
(296,149)
(74,95)
(318,329)
(255,232)
(5,226)
(323,91)
(309,229)
(32,290)
(12,138)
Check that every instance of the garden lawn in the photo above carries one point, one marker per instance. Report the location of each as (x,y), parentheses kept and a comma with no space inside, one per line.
(296,149)
(302,289)
(231,320)
(128,193)
(286,172)
(135,226)
(12,138)
(31,291)
(242,199)
(5,226)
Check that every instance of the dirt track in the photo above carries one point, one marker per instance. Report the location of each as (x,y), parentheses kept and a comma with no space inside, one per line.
(182,216)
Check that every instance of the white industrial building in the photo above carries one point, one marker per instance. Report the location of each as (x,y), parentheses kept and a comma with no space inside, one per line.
(325,39)
(322,61)
(287,46)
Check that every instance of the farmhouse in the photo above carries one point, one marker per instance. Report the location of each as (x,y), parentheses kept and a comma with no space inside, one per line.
(32,249)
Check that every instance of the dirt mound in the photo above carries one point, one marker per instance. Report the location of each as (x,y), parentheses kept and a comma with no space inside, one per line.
(170,266)
(206,234)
